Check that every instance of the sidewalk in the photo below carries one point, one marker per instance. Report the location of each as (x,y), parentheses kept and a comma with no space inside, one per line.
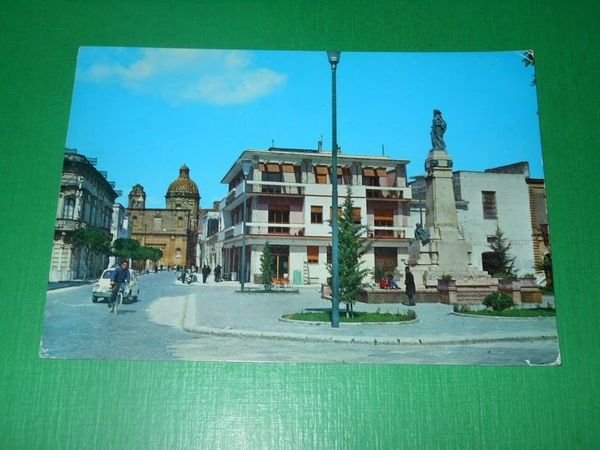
(52,285)
(217,309)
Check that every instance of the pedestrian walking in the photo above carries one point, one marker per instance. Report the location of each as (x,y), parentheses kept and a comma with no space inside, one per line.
(218,273)
(409,283)
(205,272)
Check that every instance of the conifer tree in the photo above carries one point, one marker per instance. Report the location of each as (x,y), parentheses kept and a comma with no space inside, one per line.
(504,263)
(352,246)
(266,267)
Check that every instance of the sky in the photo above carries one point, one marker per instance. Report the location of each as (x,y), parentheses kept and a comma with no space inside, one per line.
(143,112)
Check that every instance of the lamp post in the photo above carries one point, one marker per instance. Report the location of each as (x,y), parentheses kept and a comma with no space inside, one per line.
(334,59)
(246,166)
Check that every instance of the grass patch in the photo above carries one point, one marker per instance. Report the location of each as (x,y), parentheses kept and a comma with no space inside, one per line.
(511,312)
(356,317)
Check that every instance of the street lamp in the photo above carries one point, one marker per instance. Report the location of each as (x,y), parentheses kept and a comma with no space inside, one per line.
(334,59)
(246,166)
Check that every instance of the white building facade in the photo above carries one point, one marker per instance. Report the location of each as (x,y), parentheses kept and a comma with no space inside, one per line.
(498,198)
(119,228)
(288,206)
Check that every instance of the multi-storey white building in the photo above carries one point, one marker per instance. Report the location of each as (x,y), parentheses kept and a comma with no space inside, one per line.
(209,246)
(289,206)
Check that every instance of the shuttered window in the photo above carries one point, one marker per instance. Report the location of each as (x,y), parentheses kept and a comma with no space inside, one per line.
(312,254)
(489,205)
(316,214)
(321,174)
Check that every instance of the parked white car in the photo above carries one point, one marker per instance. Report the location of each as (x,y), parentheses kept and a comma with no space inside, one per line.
(101,289)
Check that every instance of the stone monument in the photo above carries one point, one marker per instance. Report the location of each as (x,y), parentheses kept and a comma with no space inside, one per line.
(445,254)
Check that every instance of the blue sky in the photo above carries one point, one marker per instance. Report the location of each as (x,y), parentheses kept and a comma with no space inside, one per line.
(145,112)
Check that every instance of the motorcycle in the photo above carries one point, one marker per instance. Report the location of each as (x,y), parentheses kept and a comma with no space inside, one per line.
(187,277)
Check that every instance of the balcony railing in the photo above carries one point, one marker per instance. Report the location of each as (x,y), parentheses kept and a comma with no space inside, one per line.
(67,224)
(274,229)
(379,232)
(275,187)
(277,229)
(388,193)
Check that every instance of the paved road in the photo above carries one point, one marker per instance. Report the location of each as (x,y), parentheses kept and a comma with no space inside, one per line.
(76,328)
(152,328)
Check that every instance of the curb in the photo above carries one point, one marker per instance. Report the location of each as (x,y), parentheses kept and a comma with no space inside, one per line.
(477,316)
(189,325)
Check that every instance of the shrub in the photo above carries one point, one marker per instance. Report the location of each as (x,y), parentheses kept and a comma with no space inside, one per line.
(461,308)
(498,301)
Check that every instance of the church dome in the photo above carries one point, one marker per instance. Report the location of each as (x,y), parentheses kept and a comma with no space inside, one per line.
(183,186)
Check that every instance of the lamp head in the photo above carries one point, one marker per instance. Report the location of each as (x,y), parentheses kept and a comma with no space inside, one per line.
(246,166)
(334,58)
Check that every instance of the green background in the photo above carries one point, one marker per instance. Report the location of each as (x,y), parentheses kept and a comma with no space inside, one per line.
(136,404)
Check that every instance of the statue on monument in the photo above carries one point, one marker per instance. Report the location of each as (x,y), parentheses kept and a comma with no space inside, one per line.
(438,128)
(421,234)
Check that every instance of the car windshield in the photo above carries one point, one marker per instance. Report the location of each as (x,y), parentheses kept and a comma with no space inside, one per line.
(107,273)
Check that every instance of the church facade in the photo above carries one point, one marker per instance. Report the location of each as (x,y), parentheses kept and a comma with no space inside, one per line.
(173,229)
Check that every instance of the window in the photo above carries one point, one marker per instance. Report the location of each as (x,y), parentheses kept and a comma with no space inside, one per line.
(331,214)
(356,215)
(212,227)
(344,175)
(271,172)
(321,174)
(279,214)
(384,218)
(489,205)
(179,222)
(69,208)
(372,177)
(312,254)
(316,214)
(178,253)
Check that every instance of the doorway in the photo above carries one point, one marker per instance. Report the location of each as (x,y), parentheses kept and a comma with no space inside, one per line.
(281,270)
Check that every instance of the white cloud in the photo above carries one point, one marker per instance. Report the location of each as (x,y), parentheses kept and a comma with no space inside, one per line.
(178,75)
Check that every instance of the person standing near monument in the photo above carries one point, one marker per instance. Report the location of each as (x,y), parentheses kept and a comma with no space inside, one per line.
(409,283)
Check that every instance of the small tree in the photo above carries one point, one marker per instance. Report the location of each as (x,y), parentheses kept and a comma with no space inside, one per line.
(126,248)
(503,264)
(266,267)
(352,246)
(94,241)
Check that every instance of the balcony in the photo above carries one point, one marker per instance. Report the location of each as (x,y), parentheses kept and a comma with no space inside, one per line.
(276,187)
(381,232)
(277,229)
(388,193)
(67,224)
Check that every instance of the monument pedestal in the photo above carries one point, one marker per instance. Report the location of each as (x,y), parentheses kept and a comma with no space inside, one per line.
(447,254)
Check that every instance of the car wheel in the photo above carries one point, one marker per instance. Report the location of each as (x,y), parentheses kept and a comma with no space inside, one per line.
(94,299)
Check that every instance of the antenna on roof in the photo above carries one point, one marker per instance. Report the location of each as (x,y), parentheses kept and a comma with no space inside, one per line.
(382,150)
(320,144)
(272,143)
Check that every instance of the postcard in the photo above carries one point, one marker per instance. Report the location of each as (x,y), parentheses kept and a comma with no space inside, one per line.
(311,207)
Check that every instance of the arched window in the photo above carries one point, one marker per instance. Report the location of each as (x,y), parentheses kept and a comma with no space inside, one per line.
(68,208)
(177,253)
